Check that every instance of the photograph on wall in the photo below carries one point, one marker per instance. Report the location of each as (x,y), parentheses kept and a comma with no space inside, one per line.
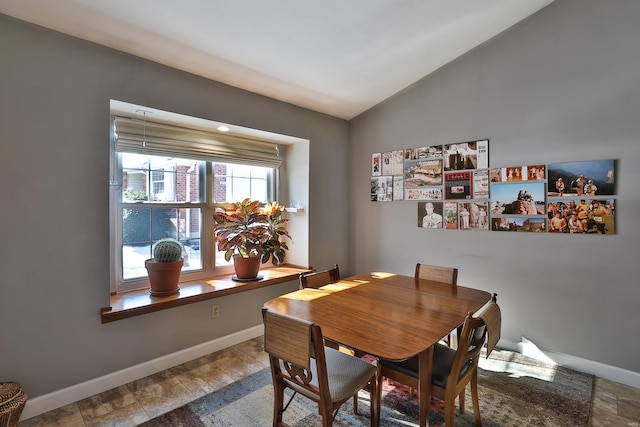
(523,198)
(536,173)
(589,179)
(392,162)
(432,152)
(422,173)
(451,215)
(481,184)
(398,188)
(427,193)
(381,188)
(522,224)
(518,173)
(458,185)
(473,216)
(581,216)
(466,155)
(376,167)
(430,215)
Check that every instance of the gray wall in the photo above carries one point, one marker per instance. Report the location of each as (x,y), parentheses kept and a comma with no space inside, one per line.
(54,170)
(562,86)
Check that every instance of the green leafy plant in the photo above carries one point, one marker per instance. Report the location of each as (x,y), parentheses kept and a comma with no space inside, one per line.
(247,229)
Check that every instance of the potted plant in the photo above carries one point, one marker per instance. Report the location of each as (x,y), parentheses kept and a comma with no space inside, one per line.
(165,266)
(252,235)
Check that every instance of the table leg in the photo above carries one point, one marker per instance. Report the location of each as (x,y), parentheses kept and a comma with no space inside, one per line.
(425,364)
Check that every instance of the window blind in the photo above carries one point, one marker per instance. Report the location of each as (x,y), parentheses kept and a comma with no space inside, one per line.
(161,139)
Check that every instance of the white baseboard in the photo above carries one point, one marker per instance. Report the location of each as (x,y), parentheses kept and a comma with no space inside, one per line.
(59,398)
(528,348)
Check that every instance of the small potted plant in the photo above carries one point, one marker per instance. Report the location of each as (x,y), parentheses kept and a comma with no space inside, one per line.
(165,267)
(252,235)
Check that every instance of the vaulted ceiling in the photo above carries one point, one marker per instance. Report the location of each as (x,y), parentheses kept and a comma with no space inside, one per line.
(339,57)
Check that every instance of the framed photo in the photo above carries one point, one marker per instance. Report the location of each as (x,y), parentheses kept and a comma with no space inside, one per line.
(423,171)
(535,173)
(376,166)
(427,193)
(577,179)
(581,216)
(398,188)
(451,215)
(466,155)
(392,162)
(518,173)
(457,185)
(381,188)
(523,198)
(430,215)
(473,216)
(521,224)
(481,184)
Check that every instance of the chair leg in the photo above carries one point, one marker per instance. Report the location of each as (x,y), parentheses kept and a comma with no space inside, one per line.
(326,413)
(378,395)
(461,400)
(448,412)
(474,400)
(355,404)
(278,403)
(374,400)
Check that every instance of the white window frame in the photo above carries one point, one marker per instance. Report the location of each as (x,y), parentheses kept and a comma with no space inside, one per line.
(207,248)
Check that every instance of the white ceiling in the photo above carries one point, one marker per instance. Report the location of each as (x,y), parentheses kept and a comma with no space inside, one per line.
(339,57)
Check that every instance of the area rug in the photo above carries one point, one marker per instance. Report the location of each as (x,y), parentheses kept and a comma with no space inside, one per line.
(514,391)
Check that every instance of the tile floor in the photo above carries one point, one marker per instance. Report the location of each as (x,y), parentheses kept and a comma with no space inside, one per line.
(615,405)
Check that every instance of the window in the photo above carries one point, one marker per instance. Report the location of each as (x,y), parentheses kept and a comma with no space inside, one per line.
(169,180)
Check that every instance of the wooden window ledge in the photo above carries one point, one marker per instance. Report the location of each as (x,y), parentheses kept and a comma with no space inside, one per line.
(136,303)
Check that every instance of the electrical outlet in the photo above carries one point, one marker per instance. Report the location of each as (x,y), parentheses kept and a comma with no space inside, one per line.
(215,311)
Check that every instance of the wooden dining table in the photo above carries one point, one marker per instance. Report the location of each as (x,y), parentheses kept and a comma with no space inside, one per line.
(386,315)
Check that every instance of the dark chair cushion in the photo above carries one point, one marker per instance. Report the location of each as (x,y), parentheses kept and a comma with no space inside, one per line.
(442,360)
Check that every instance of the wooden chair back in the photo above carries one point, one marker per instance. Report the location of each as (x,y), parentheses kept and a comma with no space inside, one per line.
(437,273)
(458,370)
(319,278)
(296,350)
(492,317)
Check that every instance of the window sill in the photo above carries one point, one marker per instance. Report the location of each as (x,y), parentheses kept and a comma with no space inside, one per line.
(136,303)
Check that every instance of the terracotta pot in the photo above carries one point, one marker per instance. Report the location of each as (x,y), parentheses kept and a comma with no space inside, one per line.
(163,277)
(246,267)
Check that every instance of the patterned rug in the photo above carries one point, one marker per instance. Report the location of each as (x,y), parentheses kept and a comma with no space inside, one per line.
(514,391)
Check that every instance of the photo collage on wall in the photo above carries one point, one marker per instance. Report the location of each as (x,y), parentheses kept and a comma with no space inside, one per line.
(457,190)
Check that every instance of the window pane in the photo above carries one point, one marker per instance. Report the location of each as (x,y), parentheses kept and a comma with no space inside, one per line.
(164,223)
(136,226)
(144,226)
(232,183)
(188,183)
(133,257)
(160,179)
(190,230)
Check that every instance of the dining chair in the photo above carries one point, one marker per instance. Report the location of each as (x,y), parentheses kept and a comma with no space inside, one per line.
(452,370)
(317,279)
(439,274)
(300,361)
